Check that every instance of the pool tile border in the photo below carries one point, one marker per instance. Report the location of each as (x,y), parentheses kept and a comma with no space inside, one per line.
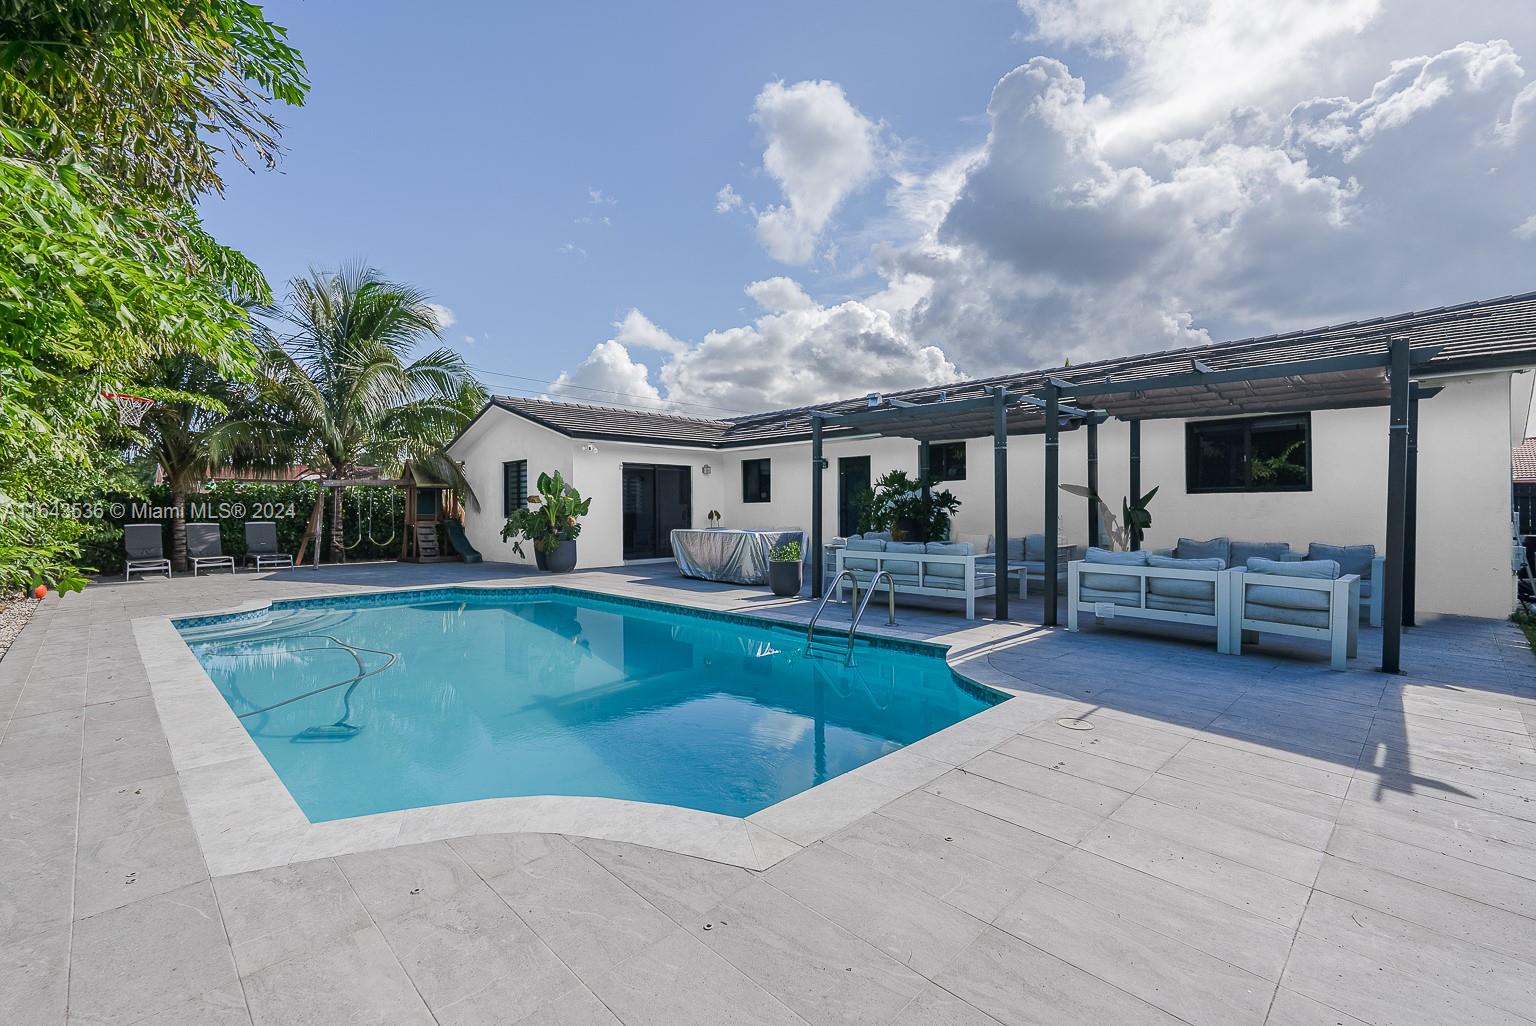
(245,819)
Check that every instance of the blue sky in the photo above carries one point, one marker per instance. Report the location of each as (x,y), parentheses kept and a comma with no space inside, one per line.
(924,190)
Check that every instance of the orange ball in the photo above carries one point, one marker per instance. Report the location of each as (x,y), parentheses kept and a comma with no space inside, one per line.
(41,591)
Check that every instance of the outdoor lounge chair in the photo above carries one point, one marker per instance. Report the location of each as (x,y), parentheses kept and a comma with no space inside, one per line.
(261,546)
(204,549)
(144,547)
(1147,586)
(936,569)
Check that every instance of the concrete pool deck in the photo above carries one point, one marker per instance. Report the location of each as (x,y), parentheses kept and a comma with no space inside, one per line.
(1238,840)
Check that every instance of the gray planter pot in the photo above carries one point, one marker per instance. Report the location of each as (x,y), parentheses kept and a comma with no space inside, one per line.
(785,577)
(562,560)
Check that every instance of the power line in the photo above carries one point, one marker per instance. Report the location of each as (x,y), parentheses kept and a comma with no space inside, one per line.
(606,391)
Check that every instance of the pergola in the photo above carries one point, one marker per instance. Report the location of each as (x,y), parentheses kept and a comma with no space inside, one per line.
(1369,364)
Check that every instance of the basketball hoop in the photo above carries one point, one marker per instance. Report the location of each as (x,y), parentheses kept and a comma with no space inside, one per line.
(130,408)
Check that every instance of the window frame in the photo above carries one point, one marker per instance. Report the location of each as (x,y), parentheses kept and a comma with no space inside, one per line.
(764,467)
(506,493)
(1193,428)
(964,460)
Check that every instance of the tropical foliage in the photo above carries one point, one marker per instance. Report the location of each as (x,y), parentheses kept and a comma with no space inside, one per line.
(786,552)
(550,518)
(339,390)
(908,506)
(113,114)
(1137,517)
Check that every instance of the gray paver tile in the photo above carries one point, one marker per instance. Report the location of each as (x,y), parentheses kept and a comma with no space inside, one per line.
(936,1006)
(678,981)
(1293,1009)
(1018,984)
(1024,852)
(816,968)
(1022,808)
(119,868)
(148,956)
(1077,792)
(1239,843)
(395,880)
(1239,806)
(1075,762)
(34,974)
(579,1007)
(273,914)
(682,887)
(1431,868)
(352,979)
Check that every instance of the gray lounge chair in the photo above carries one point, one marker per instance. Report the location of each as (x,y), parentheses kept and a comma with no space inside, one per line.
(144,547)
(204,549)
(261,546)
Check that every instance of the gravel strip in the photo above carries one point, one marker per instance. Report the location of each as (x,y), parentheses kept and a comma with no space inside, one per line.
(15,610)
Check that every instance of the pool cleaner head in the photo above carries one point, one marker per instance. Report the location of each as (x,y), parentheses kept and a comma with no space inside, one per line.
(342,731)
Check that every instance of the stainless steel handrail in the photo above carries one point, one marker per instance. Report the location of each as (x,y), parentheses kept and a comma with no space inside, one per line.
(890,590)
(810,631)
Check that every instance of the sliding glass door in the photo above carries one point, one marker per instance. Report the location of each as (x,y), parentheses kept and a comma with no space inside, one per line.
(657,499)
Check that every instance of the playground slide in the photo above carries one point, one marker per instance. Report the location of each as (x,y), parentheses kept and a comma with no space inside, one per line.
(460,542)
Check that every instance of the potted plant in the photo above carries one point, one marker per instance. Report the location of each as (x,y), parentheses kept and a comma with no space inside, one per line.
(785,569)
(897,504)
(550,522)
(714,519)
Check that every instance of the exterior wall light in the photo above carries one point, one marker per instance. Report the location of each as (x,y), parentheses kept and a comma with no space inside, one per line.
(589,449)
(705,470)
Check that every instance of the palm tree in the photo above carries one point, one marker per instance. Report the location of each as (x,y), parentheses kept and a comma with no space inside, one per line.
(339,391)
(183,431)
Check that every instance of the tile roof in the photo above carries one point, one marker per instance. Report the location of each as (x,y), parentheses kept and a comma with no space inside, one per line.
(1523,461)
(1485,335)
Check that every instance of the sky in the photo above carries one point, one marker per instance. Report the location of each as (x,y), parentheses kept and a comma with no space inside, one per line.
(715,209)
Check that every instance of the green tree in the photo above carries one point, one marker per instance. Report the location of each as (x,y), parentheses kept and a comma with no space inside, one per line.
(113,115)
(340,392)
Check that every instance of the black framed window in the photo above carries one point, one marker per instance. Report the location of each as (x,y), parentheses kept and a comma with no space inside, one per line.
(1253,454)
(514,486)
(946,461)
(756,481)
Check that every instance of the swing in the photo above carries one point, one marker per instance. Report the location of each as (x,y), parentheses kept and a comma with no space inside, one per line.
(393,530)
(360,527)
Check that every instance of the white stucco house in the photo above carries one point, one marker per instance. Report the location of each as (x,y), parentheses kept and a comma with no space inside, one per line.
(1316,400)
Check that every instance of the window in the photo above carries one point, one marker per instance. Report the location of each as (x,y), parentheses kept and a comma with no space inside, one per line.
(756,481)
(946,461)
(1256,454)
(514,486)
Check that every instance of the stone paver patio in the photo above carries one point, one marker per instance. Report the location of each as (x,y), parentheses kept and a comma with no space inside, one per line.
(1238,840)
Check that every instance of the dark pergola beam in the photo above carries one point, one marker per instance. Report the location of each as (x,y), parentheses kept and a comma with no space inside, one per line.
(1300,368)
(1000,502)
(818,567)
(1093,482)
(878,416)
(1411,513)
(1052,479)
(1135,496)
(1397,505)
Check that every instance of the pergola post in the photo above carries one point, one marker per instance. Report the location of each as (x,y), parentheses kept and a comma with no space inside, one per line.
(1411,512)
(1093,481)
(1000,499)
(1135,467)
(1052,473)
(924,468)
(818,566)
(1397,509)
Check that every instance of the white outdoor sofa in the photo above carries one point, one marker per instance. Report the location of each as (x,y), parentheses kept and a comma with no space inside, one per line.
(1147,586)
(1360,560)
(937,569)
(1299,599)
(1296,598)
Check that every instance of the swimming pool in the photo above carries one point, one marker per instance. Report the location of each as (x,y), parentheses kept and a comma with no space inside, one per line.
(367,704)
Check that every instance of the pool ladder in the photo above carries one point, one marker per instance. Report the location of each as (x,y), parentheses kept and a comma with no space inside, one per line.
(855,605)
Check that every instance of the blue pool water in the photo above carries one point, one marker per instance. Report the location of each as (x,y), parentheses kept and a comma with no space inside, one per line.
(459,694)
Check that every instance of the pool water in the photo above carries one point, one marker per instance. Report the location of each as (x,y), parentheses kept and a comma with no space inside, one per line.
(375,703)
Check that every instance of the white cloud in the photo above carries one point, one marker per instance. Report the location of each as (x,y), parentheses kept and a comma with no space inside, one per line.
(727,199)
(444,316)
(636,329)
(819,149)
(571,249)
(469,340)
(601,198)
(1526,230)
(780,295)
(609,375)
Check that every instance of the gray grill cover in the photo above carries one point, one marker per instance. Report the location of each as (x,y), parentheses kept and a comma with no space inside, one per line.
(734,557)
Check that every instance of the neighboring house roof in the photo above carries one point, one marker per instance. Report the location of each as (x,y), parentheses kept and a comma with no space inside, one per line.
(1523,461)
(1486,335)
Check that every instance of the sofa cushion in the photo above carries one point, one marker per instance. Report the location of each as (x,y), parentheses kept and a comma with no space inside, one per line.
(1243,551)
(1174,604)
(1087,595)
(902,566)
(1352,559)
(1323,569)
(1182,588)
(1212,548)
(1282,614)
(980,543)
(1122,583)
(1034,547)
(862,545)
(948,570)
(1287,598)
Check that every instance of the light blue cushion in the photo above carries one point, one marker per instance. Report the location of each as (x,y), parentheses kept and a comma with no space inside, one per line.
(1119,598)
(1214,548)
(1352,559)
(863,545)
(951,570)
(1113,582)
(1243,551)
(1323,569)
(1034,546)
(902,566)
(1182,588)
(1281,614)
(1205,607)
(1287,598)
(876,536)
